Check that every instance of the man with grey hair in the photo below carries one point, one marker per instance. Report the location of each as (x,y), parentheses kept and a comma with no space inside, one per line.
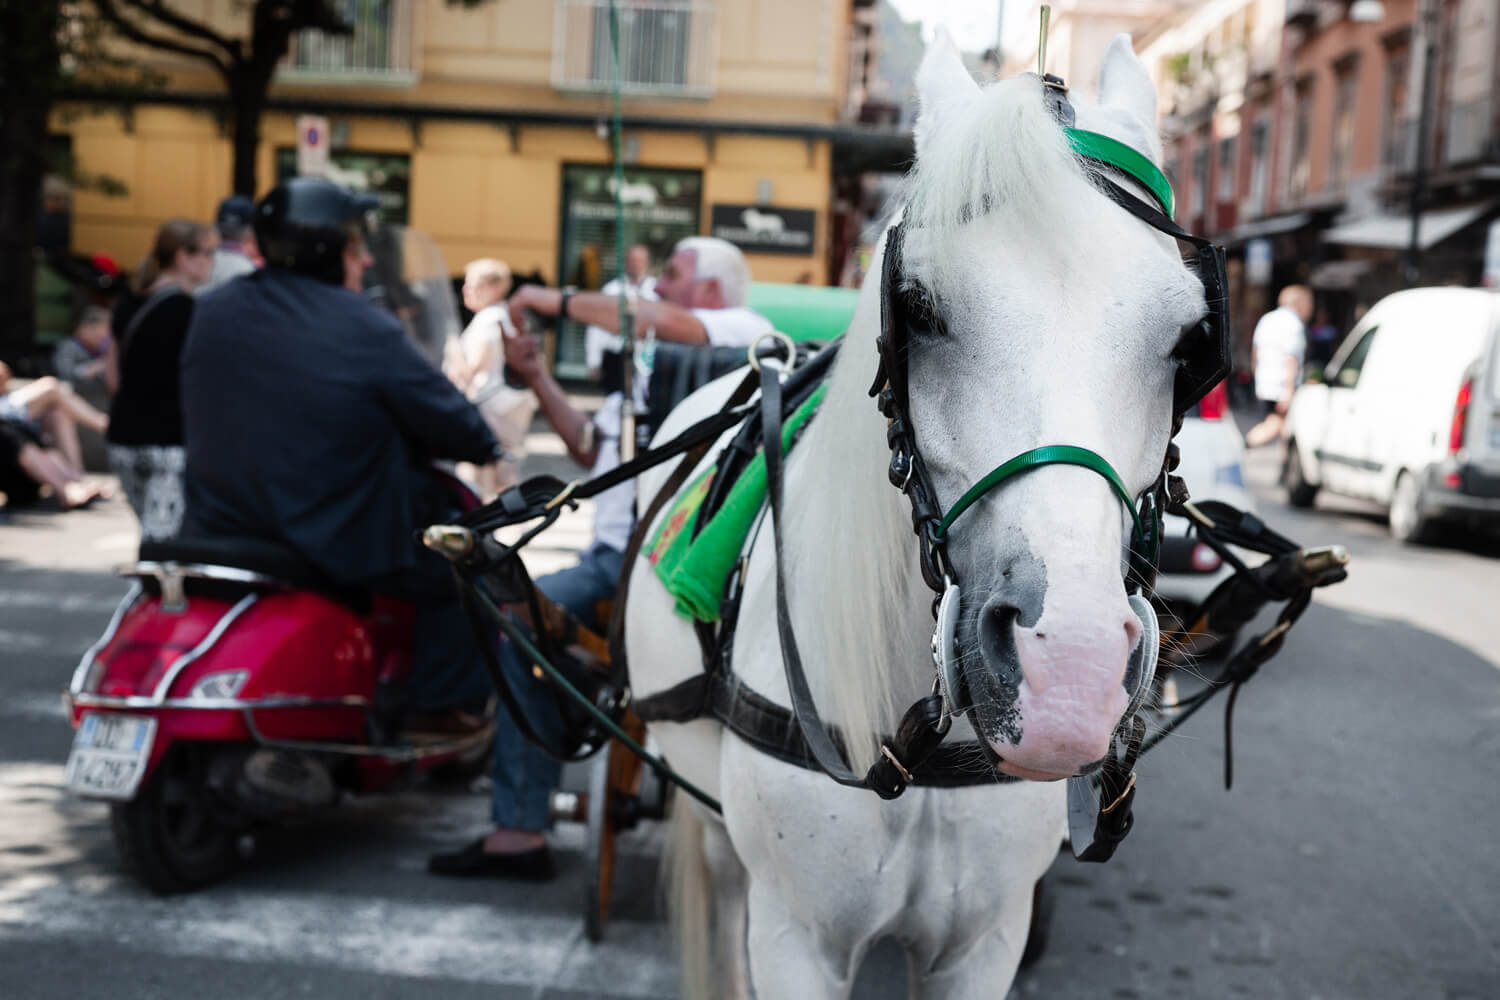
(703,290)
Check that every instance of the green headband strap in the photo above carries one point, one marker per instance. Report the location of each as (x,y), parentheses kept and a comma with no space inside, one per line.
(1095,146)
(1057,454)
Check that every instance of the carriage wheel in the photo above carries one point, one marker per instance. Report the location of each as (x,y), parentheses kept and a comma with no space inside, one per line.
(616,777)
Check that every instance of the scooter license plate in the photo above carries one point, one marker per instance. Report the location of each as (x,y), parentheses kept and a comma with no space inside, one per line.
(109,755)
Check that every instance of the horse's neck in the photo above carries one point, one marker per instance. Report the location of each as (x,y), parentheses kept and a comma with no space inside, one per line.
(861,608)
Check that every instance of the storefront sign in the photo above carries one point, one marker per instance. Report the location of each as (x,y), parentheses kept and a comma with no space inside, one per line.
(759,229)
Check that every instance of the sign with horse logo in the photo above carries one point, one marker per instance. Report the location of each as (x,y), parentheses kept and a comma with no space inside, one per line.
(760,229)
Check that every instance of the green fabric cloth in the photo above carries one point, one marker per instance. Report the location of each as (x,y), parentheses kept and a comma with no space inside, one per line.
(694,570)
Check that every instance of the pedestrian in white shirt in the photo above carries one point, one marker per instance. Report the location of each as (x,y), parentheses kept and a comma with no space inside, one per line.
(702,290)
(637,280)
(1277,350)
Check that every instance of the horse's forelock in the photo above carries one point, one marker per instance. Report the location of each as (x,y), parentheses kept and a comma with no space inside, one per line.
(1002,157)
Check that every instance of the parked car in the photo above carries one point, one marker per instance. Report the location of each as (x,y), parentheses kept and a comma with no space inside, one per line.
(1407,413)
(1212,464)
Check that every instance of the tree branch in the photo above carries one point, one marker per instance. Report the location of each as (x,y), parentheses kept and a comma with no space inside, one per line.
(128,29)
(161,12)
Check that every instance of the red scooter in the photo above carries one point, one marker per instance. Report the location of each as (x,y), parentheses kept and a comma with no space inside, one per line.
(233,687)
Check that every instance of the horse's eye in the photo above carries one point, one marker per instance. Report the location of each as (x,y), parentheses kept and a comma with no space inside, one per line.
(922,316)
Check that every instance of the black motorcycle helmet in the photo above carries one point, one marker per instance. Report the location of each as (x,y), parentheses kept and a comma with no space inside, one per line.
(304,224)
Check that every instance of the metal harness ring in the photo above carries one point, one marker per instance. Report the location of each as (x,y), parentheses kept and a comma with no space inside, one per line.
(785,341)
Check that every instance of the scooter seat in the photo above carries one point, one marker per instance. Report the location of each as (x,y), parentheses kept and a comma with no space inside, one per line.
(280,563)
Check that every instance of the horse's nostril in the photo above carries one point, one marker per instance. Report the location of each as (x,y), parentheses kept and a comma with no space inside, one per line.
(997,641)
(1132,631)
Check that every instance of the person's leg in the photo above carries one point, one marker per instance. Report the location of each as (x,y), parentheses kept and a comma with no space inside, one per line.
(49,469)
(524,776)
(49,393)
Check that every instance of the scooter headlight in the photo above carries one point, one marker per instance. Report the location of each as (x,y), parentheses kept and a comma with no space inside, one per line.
(222,684)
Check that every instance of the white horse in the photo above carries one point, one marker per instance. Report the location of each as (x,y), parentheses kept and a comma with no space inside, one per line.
(1062,313)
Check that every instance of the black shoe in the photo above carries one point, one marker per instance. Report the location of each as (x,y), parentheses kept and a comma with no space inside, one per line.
(529,866)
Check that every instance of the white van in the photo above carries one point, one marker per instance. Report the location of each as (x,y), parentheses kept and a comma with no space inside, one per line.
(1407,413)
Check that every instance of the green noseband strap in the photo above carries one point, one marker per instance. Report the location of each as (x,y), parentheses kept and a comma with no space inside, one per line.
(1094,146)
(1055,454)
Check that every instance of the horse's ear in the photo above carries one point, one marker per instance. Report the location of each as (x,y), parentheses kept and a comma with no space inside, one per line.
(943,86)
(1124,83)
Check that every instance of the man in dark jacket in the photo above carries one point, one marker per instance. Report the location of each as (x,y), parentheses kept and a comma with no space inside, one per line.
(311,420)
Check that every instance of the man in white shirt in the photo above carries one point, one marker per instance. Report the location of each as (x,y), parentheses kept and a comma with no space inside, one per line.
(598,340)
(702,290)
(1277,350)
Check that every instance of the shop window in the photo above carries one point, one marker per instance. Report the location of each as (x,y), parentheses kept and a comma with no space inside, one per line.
(660,207)
(387,175)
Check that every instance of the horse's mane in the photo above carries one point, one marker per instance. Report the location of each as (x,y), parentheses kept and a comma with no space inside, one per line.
(865,622)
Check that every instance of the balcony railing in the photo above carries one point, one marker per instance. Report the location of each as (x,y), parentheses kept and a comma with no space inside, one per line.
(668,48)
(1471,133)
(381,49)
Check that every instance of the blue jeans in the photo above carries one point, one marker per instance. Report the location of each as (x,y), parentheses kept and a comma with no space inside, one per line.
(523,775)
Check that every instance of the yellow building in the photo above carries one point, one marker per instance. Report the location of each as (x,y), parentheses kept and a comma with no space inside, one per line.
(487,129)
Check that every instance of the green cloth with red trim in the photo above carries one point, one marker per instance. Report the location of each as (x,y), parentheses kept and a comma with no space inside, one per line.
(695,570)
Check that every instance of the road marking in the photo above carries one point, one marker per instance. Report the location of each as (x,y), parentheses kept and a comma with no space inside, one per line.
(67,603)
(51,889)
(20,642)
(34,705)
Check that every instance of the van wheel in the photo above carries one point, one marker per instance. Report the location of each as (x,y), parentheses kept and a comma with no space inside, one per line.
(1409,522)
(169,836)
(1299,492)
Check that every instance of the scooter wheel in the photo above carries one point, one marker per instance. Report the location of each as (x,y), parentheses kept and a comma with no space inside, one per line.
(168,836)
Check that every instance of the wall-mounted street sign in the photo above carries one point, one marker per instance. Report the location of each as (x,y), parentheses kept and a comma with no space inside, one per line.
(759,229)
(312,145)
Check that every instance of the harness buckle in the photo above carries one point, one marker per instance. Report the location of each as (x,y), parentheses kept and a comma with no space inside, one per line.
(564,495)
(885,751)
(1124,794)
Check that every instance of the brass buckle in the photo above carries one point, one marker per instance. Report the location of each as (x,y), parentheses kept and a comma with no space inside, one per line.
(1119,798)
(564,496)
(885,752)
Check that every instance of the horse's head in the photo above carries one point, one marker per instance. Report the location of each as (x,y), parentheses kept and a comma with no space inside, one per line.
(1042,313)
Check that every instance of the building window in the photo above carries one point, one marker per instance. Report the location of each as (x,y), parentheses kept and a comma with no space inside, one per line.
(666,47)
(1301,165)
(1342,154)
(1260,159)
(1200,180)
(380,47)
(1226,169)
(1397,127)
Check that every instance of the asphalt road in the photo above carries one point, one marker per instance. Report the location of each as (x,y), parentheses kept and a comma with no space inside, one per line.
(1354,857)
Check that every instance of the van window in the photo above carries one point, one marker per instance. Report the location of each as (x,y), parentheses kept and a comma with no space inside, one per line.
(1347,374)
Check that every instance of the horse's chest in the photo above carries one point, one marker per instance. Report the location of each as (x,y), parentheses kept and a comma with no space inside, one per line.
(843,858)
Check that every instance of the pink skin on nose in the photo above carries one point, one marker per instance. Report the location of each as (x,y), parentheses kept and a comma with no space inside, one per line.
(1072,694)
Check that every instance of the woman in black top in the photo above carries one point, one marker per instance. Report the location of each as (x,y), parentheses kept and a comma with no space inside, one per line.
(145,420)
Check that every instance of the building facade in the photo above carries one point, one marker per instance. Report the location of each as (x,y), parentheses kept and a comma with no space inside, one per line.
(1291,135)
(487,128)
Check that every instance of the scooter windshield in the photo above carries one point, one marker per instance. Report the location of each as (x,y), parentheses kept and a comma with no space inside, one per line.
(410,278)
